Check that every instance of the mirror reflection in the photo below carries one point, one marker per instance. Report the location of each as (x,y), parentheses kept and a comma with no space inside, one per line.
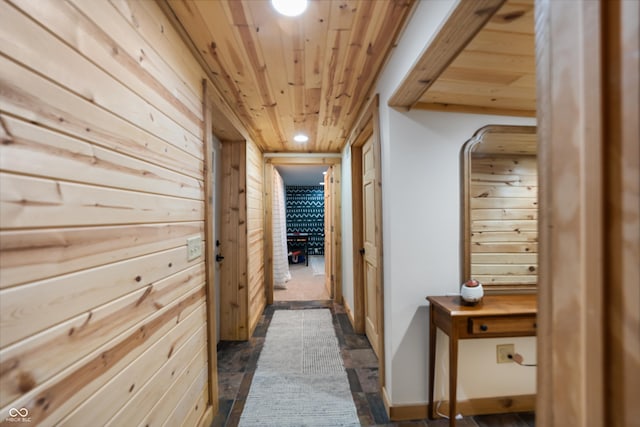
(500,208)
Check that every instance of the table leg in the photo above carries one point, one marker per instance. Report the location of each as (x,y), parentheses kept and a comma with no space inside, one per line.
(432,360)
(453,378)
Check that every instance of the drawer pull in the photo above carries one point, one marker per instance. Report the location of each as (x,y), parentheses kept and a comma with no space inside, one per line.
(484,328)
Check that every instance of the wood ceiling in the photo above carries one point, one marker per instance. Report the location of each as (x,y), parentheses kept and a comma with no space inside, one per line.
(482,61)
(282,76)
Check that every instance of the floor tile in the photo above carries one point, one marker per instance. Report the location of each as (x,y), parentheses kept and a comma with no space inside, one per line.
(442,422)
(529,418)
(368,379)
(377,408)
(364,411)
(354,382)
(229,384)
(361,358)
(500,420)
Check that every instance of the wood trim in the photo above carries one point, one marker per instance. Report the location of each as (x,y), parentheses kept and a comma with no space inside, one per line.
(268,231)
(357,239)
(459,28)
(465,204)
(478,406)
(207,417)
(209,255)
(273,159)
(336,205)
(455,108)
(576,281)
(622,210)
(303,160)
(349,311)
(493,405)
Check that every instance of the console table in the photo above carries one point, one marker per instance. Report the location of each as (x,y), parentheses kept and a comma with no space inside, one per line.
(495,316)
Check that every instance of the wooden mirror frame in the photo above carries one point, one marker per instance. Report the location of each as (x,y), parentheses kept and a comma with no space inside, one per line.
(501,133)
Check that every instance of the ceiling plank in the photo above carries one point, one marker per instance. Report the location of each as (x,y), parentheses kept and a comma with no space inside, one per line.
(285,75)
(465,21)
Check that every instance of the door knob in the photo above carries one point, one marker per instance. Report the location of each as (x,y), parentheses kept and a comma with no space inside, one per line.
(361,251)
(219,258)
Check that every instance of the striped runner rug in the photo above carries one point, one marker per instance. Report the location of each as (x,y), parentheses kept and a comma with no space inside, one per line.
(300,379)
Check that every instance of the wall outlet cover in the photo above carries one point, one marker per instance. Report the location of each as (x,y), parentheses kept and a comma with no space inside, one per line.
(503,351)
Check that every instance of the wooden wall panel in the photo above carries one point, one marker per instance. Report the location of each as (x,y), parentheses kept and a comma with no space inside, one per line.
(102,317)
(255,235)
(242,292)
(233,238)
(503,199)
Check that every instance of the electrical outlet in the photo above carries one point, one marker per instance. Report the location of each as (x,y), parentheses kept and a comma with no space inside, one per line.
(503,351)
(194,247)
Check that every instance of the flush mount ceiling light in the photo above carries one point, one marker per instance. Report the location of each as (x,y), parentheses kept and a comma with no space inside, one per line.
(289,7)
(301,138)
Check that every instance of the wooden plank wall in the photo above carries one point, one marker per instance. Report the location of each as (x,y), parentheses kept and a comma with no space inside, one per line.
(103,318)
(233,239)
(504,219)
(255,235)
(242,288)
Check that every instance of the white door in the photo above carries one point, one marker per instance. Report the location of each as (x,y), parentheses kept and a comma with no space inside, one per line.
(372,291)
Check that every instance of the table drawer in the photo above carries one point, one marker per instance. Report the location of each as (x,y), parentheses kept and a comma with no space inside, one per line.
(502,325)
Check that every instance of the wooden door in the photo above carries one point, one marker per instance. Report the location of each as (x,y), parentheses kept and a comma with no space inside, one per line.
(328,236)
(371,255)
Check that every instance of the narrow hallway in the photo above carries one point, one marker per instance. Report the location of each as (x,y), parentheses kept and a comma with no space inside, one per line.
(237,361)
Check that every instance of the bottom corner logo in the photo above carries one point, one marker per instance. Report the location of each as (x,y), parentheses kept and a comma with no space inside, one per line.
(22,412)
(18,415)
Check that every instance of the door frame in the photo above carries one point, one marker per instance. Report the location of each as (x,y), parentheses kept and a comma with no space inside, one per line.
(367,126)
(588,297)
(209,249)
(329,159)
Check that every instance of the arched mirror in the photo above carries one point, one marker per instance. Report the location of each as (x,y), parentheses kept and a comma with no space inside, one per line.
(500,209)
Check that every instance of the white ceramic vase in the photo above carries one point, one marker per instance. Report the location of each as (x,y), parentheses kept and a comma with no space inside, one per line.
(471,292)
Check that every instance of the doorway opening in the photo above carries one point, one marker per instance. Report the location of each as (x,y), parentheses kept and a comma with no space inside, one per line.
(303,235)
(299,270)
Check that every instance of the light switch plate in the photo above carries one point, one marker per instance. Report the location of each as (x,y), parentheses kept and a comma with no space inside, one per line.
(194,247)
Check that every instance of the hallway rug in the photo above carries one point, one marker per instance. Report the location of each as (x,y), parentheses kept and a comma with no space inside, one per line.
(300,379)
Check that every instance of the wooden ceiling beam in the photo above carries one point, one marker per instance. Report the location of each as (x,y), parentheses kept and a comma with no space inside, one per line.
(474,109)
(465,21)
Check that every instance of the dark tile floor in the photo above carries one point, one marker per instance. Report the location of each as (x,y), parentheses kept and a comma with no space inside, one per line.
(237,363)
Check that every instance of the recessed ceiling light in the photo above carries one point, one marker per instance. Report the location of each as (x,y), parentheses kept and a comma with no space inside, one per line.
(289,7)
(301,138)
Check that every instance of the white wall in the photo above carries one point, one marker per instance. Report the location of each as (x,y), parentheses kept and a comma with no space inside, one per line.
(421,232)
